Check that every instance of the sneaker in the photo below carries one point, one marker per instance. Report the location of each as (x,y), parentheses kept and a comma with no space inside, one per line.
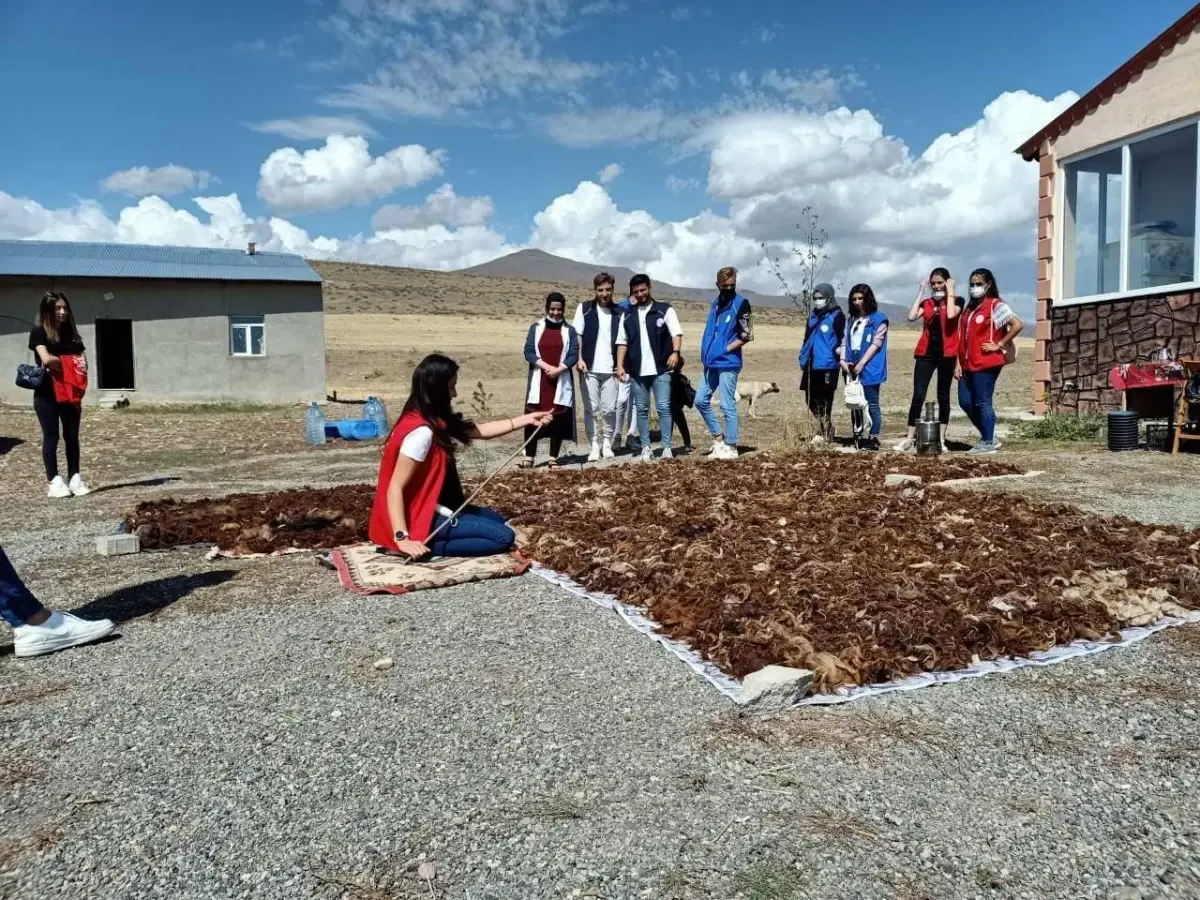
(60,631)
(717,449)
(870,443)
(595,452)
(607,451)
(945,449)
(615,446)
(996,444)
(817,440)
(983,448)
(728,451)
(905,445)
(77,487)
(666,453)
(58,489)
(646,455)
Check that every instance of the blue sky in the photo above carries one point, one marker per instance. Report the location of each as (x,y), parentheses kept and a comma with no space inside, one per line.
(518,104)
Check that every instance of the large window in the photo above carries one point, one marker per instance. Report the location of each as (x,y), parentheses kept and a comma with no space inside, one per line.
(247,336)
(1129,217)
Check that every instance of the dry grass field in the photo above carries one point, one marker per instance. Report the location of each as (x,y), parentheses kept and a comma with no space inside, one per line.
(382,321)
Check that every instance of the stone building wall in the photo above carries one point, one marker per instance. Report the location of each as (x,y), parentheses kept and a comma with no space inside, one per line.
(1085,342)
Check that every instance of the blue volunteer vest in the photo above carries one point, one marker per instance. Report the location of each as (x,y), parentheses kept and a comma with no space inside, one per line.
(660,338)
(876,370)
(720,330)
(591,331)
(821,342)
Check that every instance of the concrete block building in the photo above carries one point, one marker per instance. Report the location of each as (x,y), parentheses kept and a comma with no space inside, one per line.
(1117,242)
(173,324)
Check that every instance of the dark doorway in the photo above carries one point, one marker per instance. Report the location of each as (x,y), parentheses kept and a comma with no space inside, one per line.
(114,354)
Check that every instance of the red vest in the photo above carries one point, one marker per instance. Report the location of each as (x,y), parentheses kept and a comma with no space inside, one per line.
(975,330)
(949,328)
(420,494)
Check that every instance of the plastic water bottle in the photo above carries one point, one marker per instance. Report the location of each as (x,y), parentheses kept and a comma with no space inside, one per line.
(375,411)
(314,425)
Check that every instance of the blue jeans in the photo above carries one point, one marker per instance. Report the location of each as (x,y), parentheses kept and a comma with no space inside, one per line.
(17,603)
(725,382)
(476,531)
(873,407)
(640,387)
(975,390)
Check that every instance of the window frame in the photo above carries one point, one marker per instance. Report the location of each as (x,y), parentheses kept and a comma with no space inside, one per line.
(1125,145)
(247,324)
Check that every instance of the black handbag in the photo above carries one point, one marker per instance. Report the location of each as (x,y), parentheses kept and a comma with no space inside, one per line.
(30,375)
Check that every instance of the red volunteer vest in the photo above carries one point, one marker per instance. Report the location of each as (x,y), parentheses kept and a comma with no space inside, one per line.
(949,329)
(975,330)
(420,494)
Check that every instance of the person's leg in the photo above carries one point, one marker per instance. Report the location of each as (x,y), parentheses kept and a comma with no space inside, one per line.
(639,392)
(586,384)
(70,416)
(709,380)
(662,402)
(18,606)
(47,414)
(621,413)
(472,534)
(610,393)
(679,418)
(531,445)
(822,387)
(984,389)
(873,407)
(555,447)
(727,383)
(945,380)
(37,630)
(966,398)
(922,373)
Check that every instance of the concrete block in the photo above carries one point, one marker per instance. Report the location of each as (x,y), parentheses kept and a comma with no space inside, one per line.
(117,544)
(776,686)
(895,479)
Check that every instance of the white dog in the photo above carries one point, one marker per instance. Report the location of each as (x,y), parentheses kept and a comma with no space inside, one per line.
(755,390)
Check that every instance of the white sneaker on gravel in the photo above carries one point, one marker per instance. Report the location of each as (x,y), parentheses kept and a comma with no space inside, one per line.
(607,452)
(595,452)
(58,489)
(666,453)
(905,445)
(646,455)
(729,451)
(716,449)
(77,486)
(60,631)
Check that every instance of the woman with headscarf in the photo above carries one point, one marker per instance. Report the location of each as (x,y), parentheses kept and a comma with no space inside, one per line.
(819,356)
(987,329)
(864,354)
(552,350)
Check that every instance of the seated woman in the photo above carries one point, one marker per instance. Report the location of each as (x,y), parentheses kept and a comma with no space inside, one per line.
(419,488)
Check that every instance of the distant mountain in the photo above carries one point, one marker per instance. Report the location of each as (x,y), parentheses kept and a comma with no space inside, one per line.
(538,265)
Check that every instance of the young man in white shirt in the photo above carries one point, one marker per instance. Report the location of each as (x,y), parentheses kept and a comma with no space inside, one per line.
(648,345)
(597,323)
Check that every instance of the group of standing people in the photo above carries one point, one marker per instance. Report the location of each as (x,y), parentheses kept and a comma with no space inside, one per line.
(966,339)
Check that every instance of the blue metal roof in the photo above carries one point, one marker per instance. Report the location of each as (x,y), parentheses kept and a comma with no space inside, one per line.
(79,260)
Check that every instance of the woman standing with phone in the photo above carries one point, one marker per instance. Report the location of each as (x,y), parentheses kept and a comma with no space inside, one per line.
(937,349)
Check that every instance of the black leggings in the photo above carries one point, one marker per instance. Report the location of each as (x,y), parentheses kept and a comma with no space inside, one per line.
(50,413)
(531,447)
(679,420)
(822,387)
(922,375)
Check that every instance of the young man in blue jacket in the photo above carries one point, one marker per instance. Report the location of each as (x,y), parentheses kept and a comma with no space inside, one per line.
(727,330)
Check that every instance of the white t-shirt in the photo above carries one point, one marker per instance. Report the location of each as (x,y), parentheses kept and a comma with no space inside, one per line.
(649,366)
(602,359)
(1002,314)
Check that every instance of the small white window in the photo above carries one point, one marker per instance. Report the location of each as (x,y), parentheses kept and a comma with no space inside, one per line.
(247,336)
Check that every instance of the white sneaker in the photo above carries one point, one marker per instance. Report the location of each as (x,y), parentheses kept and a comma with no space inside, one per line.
(905,445)
(595,452)
(945,449)
(77,487)
(817,440)
(60,631)
(666,453)
(729,451)
(58,489)
(606,451)
(646,455)
(717,449)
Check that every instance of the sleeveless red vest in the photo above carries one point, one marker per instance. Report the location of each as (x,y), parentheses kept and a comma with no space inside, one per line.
(976,329)
(949,328)
(420,494)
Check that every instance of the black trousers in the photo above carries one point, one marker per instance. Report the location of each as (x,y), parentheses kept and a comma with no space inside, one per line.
(531,448)
(922,374)
(51,415)
(679,420)
(821,388)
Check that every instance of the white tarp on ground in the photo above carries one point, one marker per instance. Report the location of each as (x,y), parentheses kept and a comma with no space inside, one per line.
(732,688)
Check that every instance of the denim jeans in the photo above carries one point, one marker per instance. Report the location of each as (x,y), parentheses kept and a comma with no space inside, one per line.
(724,382)
(975,390)
(17,603)
(639,389)
(476,531)
(873,407)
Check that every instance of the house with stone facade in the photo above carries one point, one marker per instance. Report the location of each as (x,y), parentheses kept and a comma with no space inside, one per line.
(1117,242)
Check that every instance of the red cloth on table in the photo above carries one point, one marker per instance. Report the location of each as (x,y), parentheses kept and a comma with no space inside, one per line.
(73,384)
(1122,378)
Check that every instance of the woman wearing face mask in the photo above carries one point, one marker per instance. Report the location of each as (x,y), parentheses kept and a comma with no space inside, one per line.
(552,350)
(819,357)
(864,353)
(937,349)
(987,329)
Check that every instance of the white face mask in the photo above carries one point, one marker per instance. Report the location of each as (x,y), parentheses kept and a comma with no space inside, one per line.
(819,302)
(939,295)
(977,291)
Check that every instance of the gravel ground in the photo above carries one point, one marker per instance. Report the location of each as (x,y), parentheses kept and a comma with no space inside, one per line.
(237,742)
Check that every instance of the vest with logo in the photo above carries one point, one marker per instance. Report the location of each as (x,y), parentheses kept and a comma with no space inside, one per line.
(721,330)
(876,370)
(821,339)
(660,338)
(976,328)
(591,331)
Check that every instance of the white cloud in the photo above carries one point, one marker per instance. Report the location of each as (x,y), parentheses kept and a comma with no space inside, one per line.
(314,128)
(341,173)
(141,181)
(681,14)
(610,173)
(819,87)
(610,125)
(442,207)
(675,184)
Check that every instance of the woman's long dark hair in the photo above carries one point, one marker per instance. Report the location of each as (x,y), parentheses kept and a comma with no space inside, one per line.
(993,289)
(48,318)
(869,304)
(430,397)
